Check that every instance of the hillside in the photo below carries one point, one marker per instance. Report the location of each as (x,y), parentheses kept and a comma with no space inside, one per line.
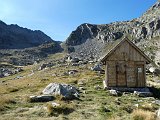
(15,37)
(22,46)
(88,40)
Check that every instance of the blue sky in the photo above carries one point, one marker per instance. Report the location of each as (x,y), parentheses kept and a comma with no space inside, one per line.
(58,18)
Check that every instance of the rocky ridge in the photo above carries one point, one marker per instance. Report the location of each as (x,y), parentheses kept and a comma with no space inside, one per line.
(22,46)
(88,40)
(15,37)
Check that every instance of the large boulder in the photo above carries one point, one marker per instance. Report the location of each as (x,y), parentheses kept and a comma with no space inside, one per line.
(97,67)
(41,98)
(154,70)
(67,91)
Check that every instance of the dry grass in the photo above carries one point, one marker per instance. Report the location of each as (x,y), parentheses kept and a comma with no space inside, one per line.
(4,100)
(63,108)
(143,115)
(148,107)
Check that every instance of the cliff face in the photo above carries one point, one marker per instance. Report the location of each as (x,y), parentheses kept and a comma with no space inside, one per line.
(15,37)
(88,39)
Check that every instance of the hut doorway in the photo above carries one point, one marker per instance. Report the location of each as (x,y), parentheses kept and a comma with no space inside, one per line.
(121,74)
(140,75)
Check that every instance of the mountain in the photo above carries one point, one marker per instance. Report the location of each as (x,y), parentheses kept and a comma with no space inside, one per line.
(88,40)
(15,37)
(22,46)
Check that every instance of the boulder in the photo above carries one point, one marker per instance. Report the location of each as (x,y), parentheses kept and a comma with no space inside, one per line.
(45,65)
(18,70)
(71,72)
(157,102)
(75,60)
(96,68)
(115,93)
(67,91)
(154,70)
(54,104)
(42,66)
(41,98)
(75,64)
(143,94)
(157,71)
(6,74)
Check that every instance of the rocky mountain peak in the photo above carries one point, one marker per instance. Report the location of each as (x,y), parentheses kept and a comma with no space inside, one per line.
(84,31)
(88,40)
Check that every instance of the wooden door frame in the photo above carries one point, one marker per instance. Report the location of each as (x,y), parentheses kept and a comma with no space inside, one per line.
(136,73)
(125,74)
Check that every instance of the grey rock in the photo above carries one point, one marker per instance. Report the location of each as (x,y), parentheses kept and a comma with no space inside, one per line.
(45,65)
(143,94)
(54,104)
(8,70)
(75,60)
(67,91)
(157,102)
(96,68)
(154,70)
(71,72)
(157,71)
(18,77)
(41,98)
(75,64)
(115,93)
(6,74)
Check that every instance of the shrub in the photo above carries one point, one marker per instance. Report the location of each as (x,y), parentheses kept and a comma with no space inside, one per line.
(143,115)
